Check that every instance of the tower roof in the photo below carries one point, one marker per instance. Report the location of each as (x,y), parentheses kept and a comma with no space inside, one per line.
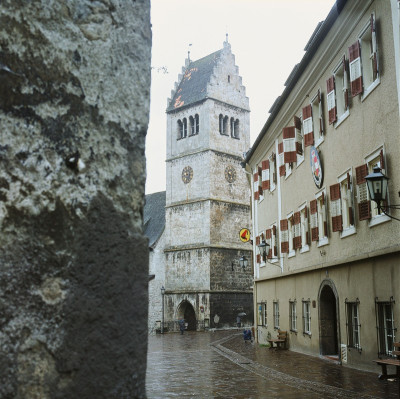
(154,216)
(193,85)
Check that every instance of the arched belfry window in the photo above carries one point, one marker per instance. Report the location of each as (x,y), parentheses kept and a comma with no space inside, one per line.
(180,129)
(236,129)
(197,123)
(221,123)
(225,125)
(184,128)
(191,126)
(232,124)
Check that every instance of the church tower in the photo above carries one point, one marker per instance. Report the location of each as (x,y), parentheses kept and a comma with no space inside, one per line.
(207,196)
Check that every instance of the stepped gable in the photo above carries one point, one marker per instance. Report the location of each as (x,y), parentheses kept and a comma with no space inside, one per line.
(193,85)
(154,216)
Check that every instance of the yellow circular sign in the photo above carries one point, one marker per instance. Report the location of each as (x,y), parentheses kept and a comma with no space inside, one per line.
(244,235)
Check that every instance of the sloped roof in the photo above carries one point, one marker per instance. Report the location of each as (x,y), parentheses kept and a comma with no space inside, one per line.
(154,216)
(193,86)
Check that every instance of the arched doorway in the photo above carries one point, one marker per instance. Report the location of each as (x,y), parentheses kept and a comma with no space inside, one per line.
(186,311)
(328,319)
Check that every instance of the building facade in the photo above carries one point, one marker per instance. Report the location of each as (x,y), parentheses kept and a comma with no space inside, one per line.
(207,196)
(330,272)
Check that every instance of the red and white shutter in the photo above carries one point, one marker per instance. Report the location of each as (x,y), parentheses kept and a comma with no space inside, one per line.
(282,167)
(289,144)
(297,230)
(284,236)
(323,203)
(356,82)
(265,185)
(268,239)
(308,126)
(364,204)
(314,220)
(350,199)
(331,99)
(299,137)
(345,84)
(255,187)
(257,244)
(336,208)
(373,41)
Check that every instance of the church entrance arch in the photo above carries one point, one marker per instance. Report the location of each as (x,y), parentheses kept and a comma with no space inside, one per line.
(329,330)
(185,311)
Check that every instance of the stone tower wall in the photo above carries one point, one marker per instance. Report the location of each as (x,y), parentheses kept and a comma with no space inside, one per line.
(74,104)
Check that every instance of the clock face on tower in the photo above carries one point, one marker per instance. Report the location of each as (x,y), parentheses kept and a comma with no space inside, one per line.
(187,174)
(230,174)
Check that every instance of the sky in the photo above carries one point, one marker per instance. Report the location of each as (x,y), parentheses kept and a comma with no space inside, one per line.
(267,38)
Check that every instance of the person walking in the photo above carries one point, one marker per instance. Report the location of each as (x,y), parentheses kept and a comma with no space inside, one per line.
(238,322)
(182,325)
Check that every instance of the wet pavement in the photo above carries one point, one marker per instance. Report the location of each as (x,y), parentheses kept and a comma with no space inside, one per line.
(221,365)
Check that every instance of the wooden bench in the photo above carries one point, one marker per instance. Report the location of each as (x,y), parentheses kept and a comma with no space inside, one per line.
(279,341)
(390,362)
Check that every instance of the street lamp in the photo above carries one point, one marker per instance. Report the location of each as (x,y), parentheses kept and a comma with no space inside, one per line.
(264,248)
(243,262)
(377,184)
(162,316)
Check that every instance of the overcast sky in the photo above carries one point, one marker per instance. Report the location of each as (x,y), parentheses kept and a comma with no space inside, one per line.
(267,38)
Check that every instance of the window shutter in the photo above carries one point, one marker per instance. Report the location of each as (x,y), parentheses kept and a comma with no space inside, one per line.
(373,40)
(355,69)
(308,126)
(255,187)
(345,85)
(265,185)
(289,144)
(314,220)
(284,236)
(331,100)
(350,199)
(282,167)
(299,137)
(364,204)
(382,160)
(336,211)
(297,230)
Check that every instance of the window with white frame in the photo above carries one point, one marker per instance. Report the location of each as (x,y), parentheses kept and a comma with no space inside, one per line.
(346,204)
(292,316)
(304,230)
(306,317)
(367,211)
(337,96)
(363,61)
(318,216)
(262,314)
(276,315)
(353,324)
(385,326)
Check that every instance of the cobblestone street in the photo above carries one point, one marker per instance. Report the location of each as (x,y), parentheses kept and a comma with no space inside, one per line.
(221,365)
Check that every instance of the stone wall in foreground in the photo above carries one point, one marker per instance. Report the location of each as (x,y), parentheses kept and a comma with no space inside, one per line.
(74,105)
